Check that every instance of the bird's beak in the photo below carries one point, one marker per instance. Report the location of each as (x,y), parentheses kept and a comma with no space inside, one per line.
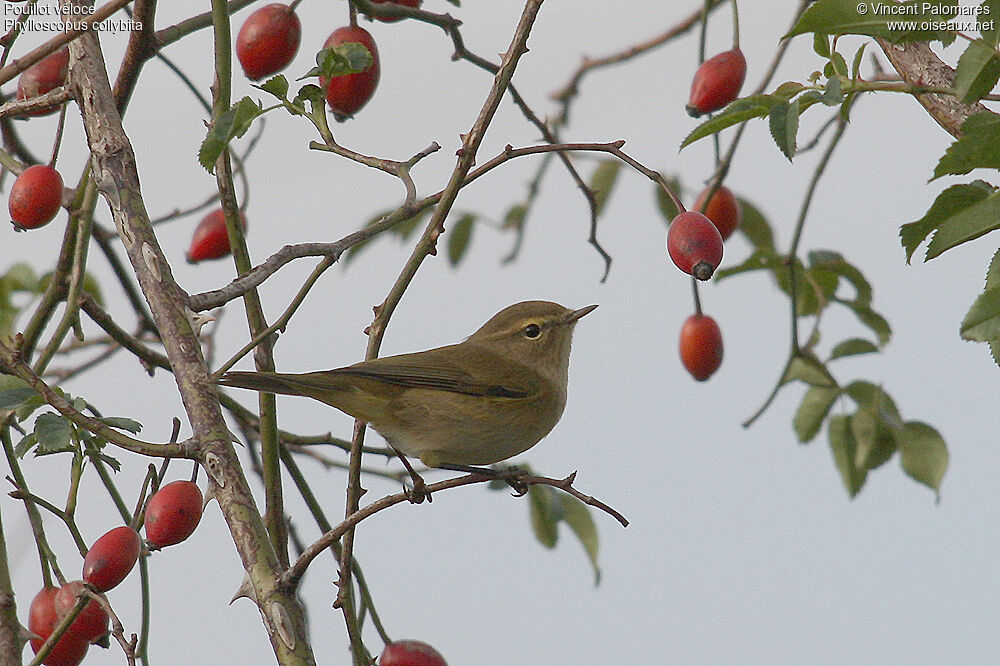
(576,314)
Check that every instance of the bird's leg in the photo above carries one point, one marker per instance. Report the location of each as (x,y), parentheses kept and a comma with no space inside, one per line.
(419,491)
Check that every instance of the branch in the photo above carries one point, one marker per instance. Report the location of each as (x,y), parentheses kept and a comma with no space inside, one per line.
(920,67)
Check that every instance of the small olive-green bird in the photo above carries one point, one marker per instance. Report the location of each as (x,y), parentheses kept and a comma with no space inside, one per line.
(477,402)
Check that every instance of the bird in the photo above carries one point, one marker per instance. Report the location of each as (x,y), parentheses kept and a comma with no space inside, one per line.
(462,406)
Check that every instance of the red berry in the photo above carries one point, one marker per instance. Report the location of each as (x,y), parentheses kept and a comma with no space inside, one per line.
(723,209)
(268,41)
(35,197)
(410,653)
(45,75)
(210,240)
(348,93)
(717,82)
(701,346)
(406,3)
(695,244)
(69,650)
(173,513)
(111,558)
(91,623)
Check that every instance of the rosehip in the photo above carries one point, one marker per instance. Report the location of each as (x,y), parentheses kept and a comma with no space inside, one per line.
(210,240)
(35,197)
(717,82)
(406,3)
(69,650)
(111,558)
(91,623)
(173,513)
(701,346)
(348,93)
(410,653)
(723,209)
(44,76)
(268,41)
(695,244)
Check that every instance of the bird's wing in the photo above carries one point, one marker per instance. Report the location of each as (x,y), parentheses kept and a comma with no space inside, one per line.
(437,369)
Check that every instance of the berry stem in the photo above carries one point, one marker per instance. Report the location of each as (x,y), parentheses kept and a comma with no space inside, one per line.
(736,25)
(353,14)
(59,135)
(697,298)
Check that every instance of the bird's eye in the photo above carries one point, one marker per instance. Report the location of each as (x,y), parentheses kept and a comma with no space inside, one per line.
(532,331)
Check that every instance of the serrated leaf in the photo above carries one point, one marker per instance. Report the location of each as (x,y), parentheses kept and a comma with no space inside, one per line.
(663,202)
(231,124)
(741,110)
(602,181)
(856,63)
(113,463)
(808,369)
(923,454)
(950,202)
(841,17)
(839,66)
(978,147)
(277,86)
(853,347)
(53,432)
(544,508)
(783,121)
(577,516)
(977,71)
(812,411)
(346,58)
(968,224)
(458,238)
(982,321)
(843,447)
(121,423)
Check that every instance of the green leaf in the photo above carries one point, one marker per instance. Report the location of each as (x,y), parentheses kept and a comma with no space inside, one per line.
(982,321)
(231,123)
(806,368)
(844,448)
(833,94)
(27,443)
(878,324)
(755,226)
(977,72)
(856,63)
(663,202)
(923,454)
(853,347)
(277,86)
(577,516)
(545,512)
(760,259)
(603,181)
(53,432)
(20,277)
(966,225)
(821,45)
(347,58)
(783,121)
(947,205)
(813,409)
(836,264)
(867,394)
(121,423)
(839,66)
(514,217)
(978,147)
(13,397)
(458,238)
(991,33)
(741,110)
(841,17)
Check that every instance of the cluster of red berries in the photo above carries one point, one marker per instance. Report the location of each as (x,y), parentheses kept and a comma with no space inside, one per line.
(172,515)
